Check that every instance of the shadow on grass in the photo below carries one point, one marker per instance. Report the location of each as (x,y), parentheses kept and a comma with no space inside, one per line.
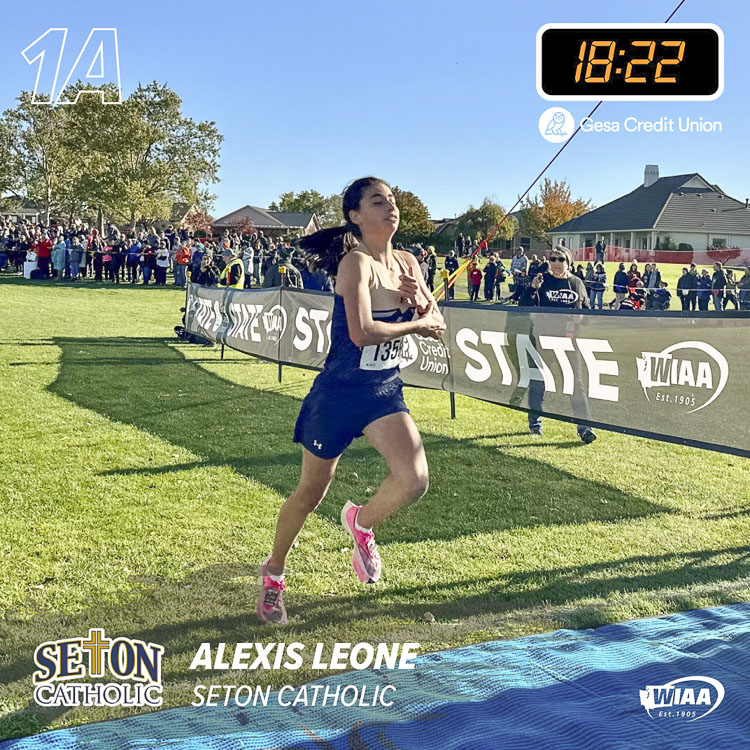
(160,391)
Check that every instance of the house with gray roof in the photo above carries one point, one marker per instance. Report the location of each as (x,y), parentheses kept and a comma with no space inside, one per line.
(272,223)
(684,212)
(20,210)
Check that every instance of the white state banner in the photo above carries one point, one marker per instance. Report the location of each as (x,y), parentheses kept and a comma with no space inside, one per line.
(671,376)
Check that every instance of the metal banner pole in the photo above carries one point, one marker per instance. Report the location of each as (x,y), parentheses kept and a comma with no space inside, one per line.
(282,272)
(446,275)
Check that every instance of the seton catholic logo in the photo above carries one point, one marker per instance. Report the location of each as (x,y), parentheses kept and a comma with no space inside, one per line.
(694,378)
(689,698)
(65,666)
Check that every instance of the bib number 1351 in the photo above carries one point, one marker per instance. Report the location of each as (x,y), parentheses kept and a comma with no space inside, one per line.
(381,356)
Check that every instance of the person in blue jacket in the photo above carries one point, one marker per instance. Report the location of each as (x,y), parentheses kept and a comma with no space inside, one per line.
(59,257)
(704,289)
(314,277)
(451,265)
(620,286)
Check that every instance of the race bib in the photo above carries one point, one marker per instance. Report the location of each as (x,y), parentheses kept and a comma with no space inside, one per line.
(383,356)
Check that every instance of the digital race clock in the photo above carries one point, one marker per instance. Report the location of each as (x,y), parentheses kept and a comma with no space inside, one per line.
(670,62)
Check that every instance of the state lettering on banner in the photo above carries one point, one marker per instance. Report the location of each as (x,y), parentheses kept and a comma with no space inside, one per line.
(596,367)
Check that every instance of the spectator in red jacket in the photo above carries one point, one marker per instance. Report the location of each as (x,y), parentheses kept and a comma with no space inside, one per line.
(475,279)
(634,276)
(635,298)
(43,249)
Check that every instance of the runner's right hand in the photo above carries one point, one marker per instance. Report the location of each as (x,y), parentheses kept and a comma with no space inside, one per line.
(430,326)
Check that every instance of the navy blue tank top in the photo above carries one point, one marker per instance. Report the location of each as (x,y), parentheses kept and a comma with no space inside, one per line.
(377,363)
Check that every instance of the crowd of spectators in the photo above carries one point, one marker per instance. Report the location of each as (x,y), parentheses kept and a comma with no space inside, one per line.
(77,252)
(629,289)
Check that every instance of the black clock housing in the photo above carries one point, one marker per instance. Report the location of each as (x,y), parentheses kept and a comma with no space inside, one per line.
(638,62)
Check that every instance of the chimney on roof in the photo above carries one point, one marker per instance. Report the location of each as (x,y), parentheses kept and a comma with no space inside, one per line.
(650,175)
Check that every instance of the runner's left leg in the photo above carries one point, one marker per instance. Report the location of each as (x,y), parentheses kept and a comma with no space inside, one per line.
(398,441)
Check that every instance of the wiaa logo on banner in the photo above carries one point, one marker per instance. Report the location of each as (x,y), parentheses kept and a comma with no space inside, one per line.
(274,321)
(689,698)
(684,381)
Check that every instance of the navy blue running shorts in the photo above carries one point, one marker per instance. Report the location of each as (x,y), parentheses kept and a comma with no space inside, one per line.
(333,413)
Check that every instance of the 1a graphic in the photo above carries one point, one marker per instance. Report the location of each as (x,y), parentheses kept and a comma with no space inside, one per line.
(98,63)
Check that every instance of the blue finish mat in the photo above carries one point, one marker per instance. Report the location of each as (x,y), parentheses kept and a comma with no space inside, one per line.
(567,689)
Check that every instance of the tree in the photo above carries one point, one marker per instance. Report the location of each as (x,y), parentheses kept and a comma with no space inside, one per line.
(128,162)
(244,226)
(37,164)
(206,200)
(137,159)
(328,210)
(415,221)
(199,222)
(552,207)
(477,223)
(8,175)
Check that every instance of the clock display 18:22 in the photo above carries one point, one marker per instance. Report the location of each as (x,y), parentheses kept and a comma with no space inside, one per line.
(598,61)
(637,61)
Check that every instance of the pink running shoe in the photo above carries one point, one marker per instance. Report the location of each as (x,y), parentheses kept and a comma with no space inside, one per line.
(270,609)
(366,558)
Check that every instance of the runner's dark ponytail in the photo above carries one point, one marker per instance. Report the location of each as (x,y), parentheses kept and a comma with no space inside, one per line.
(328,247)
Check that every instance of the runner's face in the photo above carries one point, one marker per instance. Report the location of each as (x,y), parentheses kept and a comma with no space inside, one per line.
(378,213)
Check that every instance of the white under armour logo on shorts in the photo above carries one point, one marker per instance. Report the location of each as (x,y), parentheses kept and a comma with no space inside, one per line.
(317,445)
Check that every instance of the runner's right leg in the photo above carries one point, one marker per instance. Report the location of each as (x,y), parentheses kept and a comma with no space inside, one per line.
(317,475)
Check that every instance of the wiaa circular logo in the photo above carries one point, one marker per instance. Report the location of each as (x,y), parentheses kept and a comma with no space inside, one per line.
(274,321)
(680,377)
(687,698)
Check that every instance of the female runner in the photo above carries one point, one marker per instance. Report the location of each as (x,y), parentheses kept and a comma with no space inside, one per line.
(381,297)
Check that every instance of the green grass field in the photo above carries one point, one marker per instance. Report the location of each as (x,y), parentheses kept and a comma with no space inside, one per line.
(142,478)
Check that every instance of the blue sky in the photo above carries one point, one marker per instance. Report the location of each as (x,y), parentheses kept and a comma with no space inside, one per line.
(436,97)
